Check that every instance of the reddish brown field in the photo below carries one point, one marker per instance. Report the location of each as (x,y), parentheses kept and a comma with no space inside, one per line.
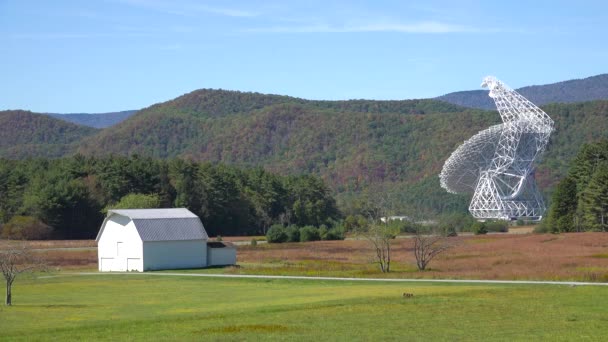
(60,253)
(575,256)
(50,243)
(582,256)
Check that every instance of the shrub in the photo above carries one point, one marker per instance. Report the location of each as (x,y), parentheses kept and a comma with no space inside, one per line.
(409,227)
(254,242)
(309,233)
(479,228)
(354,223)
(334,234)
(542,228)
(26,228)
(276,234)
(293,234)
(499,226)
(449,231)
(218,238)
(323,232)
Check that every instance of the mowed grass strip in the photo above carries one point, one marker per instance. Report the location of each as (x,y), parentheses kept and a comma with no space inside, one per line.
(140,307)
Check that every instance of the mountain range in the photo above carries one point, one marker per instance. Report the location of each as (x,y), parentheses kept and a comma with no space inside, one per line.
(580,90)
(356,145)
(96,120)
(25,134)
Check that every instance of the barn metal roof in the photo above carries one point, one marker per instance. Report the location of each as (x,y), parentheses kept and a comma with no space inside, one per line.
(154,213)
(164,224)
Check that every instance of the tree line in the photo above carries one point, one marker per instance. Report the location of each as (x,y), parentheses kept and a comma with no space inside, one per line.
(580,200)
(70,195)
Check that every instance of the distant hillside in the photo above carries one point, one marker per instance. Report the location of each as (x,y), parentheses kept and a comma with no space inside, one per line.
(398,146)
(98,120)
(217,103)
(26,134)
(581,90)
(354,145)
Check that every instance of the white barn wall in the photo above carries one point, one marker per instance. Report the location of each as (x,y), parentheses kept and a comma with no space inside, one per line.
(120,229)
(221,256)
(174,254)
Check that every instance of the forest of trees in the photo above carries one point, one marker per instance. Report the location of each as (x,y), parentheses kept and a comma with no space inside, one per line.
(69,196)
(580,201)
(354,146)
(571,91)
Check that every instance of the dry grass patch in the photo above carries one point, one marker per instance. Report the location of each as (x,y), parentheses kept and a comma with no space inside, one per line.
(504,256)
(572,256)
(70,258)
(46,244)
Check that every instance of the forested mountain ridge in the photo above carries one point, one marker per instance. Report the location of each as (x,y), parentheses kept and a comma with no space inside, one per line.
(345,146)
(96,120)
(211,102)
(355,145)
(26,134)
(218,103)
(579,90)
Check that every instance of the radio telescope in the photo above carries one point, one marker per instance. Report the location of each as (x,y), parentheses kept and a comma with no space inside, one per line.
(496,164)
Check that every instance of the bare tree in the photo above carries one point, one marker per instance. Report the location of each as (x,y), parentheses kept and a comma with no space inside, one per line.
(427,247)
(15,260)
(380,235)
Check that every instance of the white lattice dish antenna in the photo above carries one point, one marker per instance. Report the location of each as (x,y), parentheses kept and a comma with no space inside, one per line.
(496,164)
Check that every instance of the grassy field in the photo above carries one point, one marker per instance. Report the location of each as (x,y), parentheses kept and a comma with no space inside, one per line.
(577,256)
(574,256)
(148,307)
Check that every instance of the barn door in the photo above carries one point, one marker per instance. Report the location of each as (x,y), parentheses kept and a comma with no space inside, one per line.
(133,264)
(106,264)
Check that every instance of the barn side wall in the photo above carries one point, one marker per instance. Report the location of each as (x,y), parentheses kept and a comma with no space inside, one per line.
(119,247)
(221,256)
(167,255)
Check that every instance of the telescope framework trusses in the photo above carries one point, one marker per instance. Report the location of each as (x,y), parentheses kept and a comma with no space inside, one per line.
(496,164)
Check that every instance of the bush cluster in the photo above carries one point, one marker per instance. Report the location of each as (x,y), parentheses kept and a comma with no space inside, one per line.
(497,226)
(25,228)
(279,233)
(479,228)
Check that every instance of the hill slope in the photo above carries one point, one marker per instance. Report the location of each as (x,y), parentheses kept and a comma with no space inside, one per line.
(98,120)
(26,134)
(399,146)
(337,138)
(580,90)
(354,145)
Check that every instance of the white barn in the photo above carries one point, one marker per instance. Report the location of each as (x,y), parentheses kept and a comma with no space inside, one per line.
(156,239)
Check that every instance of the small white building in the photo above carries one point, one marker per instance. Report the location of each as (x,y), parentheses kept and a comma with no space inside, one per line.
(157,239)
(395,218)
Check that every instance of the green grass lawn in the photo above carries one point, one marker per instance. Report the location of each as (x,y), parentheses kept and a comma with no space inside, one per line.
(148,307)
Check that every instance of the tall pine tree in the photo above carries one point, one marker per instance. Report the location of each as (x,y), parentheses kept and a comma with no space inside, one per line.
(594,200)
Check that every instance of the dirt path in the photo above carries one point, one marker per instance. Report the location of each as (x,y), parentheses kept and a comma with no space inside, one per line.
(454,281)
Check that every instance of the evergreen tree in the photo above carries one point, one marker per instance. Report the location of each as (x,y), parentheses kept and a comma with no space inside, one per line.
(562,213)
(594,200)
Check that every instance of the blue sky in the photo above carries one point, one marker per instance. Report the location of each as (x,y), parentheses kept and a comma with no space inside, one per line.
(108,55)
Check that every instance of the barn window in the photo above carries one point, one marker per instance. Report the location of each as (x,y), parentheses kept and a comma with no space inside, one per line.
(119,249)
